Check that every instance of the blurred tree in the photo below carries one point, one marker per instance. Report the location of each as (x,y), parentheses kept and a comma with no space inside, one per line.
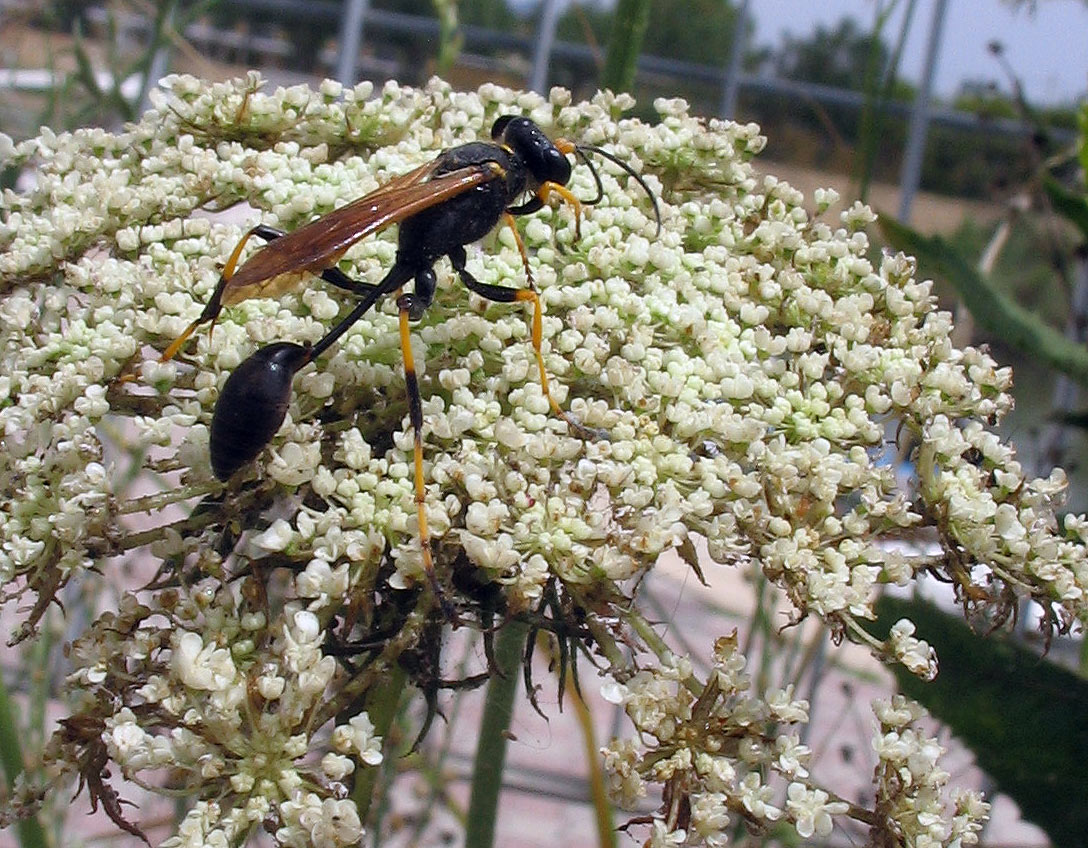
(495,14)
(838,57)
(1031,5)
(690,30)
(985,98)
(699,31)
(419,58)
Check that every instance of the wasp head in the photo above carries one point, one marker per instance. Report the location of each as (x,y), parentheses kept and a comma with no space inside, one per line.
(546,162)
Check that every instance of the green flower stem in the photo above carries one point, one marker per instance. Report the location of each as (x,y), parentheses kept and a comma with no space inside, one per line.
(606,644)
(30,830)
(160,500)
(491,749)
(602,809)
(629,23)
(384,665)
(382,709)
(655,643)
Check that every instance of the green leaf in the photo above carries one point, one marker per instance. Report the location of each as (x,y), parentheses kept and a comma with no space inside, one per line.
(993,310)
(1021,715)
(1070,205)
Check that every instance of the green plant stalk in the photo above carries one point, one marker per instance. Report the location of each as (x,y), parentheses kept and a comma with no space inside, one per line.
(31,834)
(450,39)
(769,636)
(487,771)
(39,687)
(873,113)
(629,23)
(431,765)
(382,709)
(993,310)
(661,650)
(602,809)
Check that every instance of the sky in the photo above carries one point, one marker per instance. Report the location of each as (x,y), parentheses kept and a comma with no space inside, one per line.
(1048,48)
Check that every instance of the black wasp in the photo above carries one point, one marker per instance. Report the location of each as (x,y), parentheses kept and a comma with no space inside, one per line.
(452,201)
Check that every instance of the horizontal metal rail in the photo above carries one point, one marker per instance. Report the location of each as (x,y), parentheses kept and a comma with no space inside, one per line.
(381,20)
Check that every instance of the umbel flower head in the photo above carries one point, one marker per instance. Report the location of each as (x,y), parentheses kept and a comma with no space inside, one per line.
(749,364)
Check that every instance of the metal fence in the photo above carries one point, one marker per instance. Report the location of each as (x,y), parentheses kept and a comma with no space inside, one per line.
(357,23)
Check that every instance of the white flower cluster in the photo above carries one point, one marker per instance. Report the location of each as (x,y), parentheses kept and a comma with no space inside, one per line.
(909,782)
(713,750)
(745,364)
(1006,521)
(914,653)
(748,364)
(725,752)
(221,709)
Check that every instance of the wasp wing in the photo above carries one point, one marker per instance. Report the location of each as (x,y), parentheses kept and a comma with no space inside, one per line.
(281,264)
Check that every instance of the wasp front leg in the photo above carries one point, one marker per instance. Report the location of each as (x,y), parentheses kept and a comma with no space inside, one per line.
(505,294)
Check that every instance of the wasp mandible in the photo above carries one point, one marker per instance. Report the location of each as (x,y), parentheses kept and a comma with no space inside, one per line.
(441,207)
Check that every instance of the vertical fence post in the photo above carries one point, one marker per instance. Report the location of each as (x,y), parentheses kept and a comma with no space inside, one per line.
(351,36)
(736,54)
(911,174)
(542,53)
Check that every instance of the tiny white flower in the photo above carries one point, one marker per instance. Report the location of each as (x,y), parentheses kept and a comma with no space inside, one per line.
(277,537)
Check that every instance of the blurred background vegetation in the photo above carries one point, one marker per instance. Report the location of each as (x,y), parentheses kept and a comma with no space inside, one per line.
(298,41)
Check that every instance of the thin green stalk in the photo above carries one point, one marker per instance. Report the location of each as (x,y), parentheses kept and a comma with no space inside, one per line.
(661,650)
(878,92)
(491,750)
(629,23)
(30,832)
(602,808)
(450,39)
(431,765)
(382,709)
(40,653)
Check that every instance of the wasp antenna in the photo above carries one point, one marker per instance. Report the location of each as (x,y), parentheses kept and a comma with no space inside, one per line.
(581,154)
(582,149)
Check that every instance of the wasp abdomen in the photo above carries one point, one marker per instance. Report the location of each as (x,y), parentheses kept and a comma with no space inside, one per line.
(252,405)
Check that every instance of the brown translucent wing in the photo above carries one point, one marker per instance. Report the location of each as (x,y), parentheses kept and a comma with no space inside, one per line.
(281,264)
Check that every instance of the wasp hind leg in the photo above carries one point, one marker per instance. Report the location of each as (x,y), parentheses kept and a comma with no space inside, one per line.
(215,304)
